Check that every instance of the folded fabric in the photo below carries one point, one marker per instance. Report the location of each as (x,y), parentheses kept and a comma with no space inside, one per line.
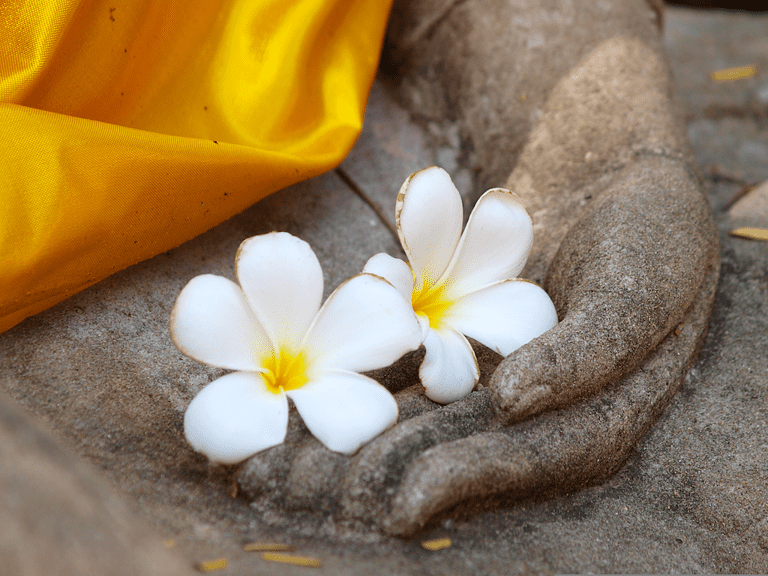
(129,128)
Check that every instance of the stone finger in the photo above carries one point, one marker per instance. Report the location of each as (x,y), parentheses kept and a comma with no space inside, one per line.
(264,474)
(412,402)
(622,279)
(314,480)
(301,473)
(560,449)
(377,469)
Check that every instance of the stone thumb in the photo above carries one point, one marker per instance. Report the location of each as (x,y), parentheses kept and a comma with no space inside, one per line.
(622,279)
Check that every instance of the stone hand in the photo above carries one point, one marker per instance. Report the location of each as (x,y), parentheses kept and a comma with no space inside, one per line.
(600,378)
(625,245)
(567,408)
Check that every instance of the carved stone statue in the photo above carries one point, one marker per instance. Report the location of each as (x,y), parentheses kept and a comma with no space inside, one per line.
(575,100)
(568,103)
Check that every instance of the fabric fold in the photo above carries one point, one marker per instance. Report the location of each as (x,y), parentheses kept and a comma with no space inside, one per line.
(113,154)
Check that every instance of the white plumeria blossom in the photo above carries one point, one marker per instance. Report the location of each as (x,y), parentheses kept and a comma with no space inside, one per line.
(282,344)
(463,283)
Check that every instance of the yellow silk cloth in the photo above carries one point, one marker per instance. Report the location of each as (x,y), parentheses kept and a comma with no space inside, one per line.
(131,126)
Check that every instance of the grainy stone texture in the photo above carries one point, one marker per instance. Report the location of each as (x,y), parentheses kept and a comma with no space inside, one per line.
(100,370)
(59,518)
(725,116)
(497,100)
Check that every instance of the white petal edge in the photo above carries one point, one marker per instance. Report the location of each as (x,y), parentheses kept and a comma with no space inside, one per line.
(429,214)
(345,410)
(393,270)
(424,323)
(235,417)
(449,370)
(494,245)
(283,283)
(212,323)
(365,324)
(505,315)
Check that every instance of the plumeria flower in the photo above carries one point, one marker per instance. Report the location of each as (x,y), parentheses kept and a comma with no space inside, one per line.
(463,284)
(282,344)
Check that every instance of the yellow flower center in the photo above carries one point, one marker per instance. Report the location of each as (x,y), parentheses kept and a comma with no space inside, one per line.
(432,302)
(287,370)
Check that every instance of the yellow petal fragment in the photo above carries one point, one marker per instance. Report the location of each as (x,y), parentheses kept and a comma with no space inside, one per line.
(730,74)
(212,565)
(170,543)
(267,547)
(750,233)
(436,544)
(290,559)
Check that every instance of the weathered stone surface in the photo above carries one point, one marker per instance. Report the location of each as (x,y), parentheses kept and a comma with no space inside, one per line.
(59,518)
(726,120)
(101,370)
(611,110)
(491,66)
(392,147)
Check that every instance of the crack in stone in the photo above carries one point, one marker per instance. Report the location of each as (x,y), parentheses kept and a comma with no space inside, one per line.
(428,26)
(750,111)
(344,175)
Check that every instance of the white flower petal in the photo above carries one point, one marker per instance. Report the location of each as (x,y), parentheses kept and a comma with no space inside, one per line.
(495,243)
(424,323)
(429,216)
(212,323)
(345,410)
(235,417)
(504,316)
(365,324)
(283,282)
(449,370)
(393,270)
